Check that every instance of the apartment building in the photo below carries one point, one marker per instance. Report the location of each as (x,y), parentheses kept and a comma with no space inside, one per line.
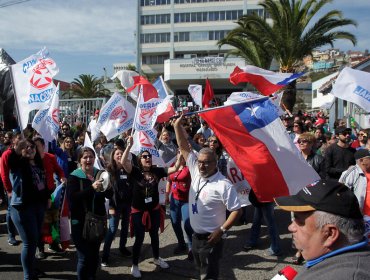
(177,39)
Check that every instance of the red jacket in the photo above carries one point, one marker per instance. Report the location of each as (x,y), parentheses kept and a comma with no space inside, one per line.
(51,166)
(4,167)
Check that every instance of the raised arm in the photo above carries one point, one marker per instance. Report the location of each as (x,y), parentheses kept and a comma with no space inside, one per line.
(125,161)
(181,137)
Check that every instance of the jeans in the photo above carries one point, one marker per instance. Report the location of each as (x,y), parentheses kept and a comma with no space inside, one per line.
(87,254)
(206,257)
(28,221)
(12,231)
(139,231)
(266,211)
(179,211)
(123,211)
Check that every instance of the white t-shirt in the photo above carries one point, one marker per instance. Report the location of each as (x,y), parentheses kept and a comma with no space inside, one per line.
(214,195)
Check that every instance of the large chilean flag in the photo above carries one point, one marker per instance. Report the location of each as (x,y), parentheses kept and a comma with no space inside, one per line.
(254,136)
(266,82)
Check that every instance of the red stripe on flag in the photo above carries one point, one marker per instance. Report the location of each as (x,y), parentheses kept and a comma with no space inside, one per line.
(263,85)
(250,154)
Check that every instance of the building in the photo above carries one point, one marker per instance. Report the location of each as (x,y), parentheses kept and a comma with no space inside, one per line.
(177,39)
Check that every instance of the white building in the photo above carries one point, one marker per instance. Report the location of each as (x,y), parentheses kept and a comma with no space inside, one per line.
(177,39)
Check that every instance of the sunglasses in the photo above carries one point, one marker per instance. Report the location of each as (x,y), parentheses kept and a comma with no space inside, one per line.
(213,141)
(146,156)
(30,146)
(345,133)
(362,134)
(303,141)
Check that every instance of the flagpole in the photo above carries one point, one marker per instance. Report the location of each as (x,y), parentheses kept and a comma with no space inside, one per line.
(136,110)
(16,101)
(224,106)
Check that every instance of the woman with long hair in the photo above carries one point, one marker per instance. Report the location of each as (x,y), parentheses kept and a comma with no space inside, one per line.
(30,198)
(119,205)
(177,195)
(146,213)
(84,195)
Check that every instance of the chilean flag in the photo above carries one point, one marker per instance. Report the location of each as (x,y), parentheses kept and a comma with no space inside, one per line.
(266,82)
(254,136)
(149,91)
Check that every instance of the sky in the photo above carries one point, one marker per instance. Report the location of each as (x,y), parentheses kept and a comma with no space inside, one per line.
(86,36)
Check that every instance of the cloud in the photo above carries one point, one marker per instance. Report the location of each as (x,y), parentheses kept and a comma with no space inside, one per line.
(105,27)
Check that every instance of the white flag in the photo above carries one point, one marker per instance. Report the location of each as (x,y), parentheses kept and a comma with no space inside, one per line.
(196,93)
(116,116)
(33,83)
(145,141)
(146,113)
(87,143)
(125,77)
(239,97)
(46,120)
(354,86)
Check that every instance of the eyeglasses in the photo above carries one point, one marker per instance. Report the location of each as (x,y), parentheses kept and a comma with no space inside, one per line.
(146,156)
(205,163)
(303,141)
(213,141)
(65,128)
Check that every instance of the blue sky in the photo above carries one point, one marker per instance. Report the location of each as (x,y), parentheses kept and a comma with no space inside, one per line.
(85,36)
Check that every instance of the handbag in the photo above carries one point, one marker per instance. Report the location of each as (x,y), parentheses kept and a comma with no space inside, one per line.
(95,226)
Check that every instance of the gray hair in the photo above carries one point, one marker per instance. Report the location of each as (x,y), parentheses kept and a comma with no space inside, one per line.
(209,152)
(352,229)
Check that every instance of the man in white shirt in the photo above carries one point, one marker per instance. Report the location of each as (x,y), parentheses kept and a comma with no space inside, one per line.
(209,196)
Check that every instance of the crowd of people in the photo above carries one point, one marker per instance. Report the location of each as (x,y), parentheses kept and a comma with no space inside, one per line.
(49,189)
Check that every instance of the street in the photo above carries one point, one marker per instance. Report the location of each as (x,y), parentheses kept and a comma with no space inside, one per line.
(235,264)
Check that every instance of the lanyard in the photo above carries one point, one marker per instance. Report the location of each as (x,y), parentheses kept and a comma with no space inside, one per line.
(200,189)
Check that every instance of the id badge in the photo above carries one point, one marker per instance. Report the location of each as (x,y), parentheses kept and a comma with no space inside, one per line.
(123,176)
(148,200)
(194,208)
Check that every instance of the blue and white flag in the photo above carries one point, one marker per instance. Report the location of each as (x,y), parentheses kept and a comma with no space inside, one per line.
(116,117)
(46,120)
(354,86)
(160,87)
(33,83)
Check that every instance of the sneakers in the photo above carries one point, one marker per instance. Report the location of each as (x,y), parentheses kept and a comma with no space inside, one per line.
(135,271)
(12,241)
(55,248)
(104,262)
(40,255)
(125,252)
(160,262)
(270,252)
(248,247)
(180,249)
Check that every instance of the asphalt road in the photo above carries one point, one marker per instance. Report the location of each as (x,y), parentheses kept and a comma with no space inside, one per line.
(235,264)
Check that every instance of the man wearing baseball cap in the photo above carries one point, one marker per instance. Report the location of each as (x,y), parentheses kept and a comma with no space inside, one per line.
(328,228)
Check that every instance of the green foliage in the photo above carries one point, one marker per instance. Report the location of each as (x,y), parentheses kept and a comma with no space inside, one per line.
(291,32)
(89,86)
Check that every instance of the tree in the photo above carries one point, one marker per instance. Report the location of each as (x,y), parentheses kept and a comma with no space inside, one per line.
(289,33)
(89,86)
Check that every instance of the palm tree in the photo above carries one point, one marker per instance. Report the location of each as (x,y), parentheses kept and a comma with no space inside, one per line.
(89,86)
(290,33)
